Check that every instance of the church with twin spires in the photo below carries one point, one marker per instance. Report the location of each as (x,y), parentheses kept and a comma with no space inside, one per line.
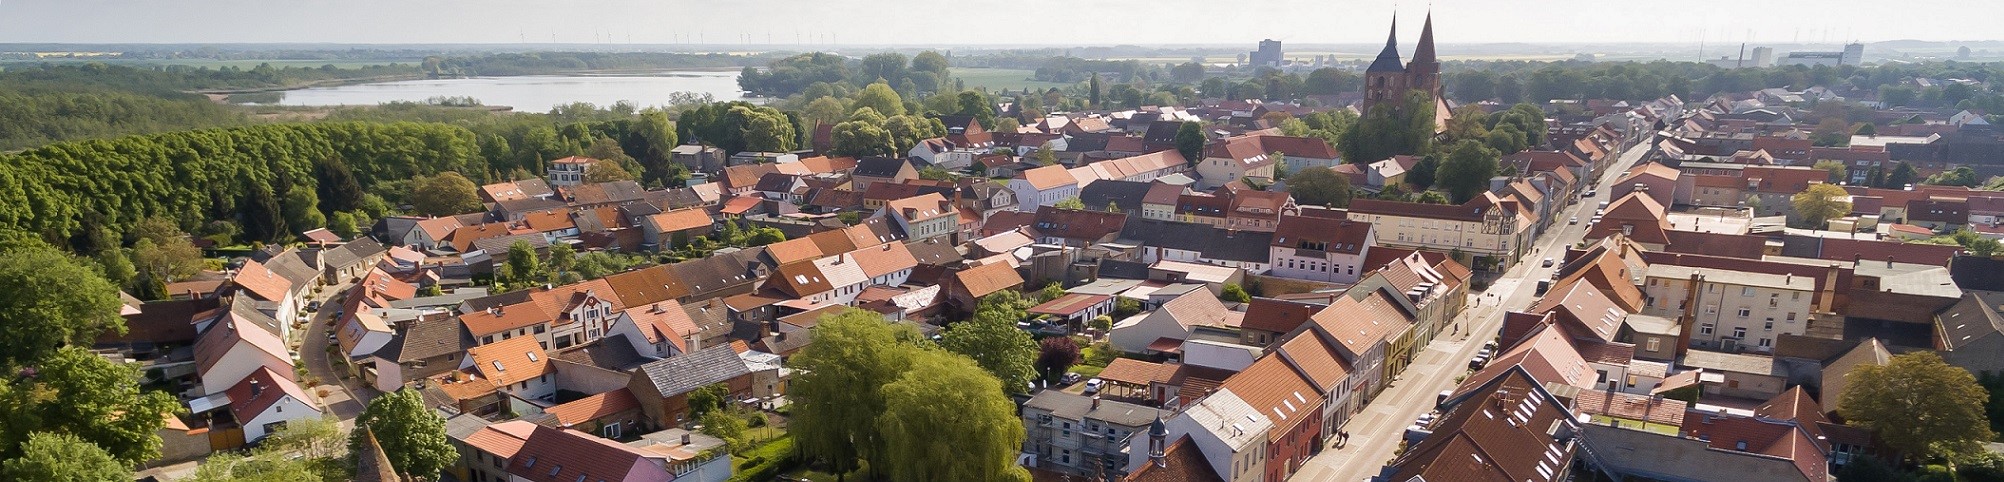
(1387,81)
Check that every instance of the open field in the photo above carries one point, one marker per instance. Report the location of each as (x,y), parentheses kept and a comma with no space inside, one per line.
(999,79)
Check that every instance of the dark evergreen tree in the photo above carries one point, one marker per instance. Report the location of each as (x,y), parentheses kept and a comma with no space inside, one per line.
(338,189)
(264,219)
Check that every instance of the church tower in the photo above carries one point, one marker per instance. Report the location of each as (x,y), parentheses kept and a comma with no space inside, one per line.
(1388,79)
(1423,74)
(1385,80)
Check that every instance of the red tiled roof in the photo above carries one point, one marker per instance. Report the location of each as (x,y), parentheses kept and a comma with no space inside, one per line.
(1276,391)
(1137,372)
(1069,304)
(264,283)
(246,403)
(1278,316)
(1048,177)
(986,279)
(593,407)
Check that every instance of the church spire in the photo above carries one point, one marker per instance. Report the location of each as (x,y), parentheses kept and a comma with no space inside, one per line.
(1424,53)
(1388,59)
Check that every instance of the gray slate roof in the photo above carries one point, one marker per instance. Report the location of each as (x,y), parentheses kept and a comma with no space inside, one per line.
(686,373)
(354,252)
(1214,243)
(1079,407)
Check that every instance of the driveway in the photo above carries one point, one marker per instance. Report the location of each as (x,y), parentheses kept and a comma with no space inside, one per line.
(1375,433)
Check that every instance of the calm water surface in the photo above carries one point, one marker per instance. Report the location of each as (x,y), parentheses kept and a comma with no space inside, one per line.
(529,93)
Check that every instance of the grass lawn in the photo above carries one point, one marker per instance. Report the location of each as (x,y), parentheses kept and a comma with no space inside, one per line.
(1087,371)
(998,79)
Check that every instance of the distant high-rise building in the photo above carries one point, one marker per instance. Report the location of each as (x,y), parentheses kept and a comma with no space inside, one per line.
(1762,57)
(1854,54)
(1268,54)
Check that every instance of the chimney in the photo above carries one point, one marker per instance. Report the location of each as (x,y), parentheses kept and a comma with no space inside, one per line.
(255,388)
(686,438)
(1095,402)
(1889,261)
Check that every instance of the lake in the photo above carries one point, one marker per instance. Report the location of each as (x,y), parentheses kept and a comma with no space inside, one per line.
(535,93)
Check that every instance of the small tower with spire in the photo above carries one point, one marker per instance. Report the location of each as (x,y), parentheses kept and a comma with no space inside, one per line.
(1385,80)
(1158,442)
(1423,73)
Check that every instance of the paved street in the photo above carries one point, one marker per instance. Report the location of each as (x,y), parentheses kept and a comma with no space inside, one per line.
(1375,433)
(345,397)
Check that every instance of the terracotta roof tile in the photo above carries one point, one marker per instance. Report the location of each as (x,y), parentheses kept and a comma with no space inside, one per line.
(592,407)
(986,279)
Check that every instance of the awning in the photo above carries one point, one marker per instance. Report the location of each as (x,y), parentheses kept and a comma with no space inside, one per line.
(1166,345)
(220,400)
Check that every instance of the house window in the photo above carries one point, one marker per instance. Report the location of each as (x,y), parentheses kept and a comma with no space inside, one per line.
(1791,316)
(1769,326)
(1744,312)
(1765,343)
(1739,332)
(1746,291)
(1655,344)
(1705,329)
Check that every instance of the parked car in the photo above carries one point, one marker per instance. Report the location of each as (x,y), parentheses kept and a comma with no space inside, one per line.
(1069,378)
(313,306)
(1092,386)
(1547,263)
(1478,363)
(1591,192)
(1574,220)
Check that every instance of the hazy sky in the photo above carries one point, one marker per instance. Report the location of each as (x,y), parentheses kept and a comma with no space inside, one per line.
(935,22)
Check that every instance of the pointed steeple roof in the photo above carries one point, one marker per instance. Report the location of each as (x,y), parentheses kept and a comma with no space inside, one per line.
(1388,60)
(1424,53)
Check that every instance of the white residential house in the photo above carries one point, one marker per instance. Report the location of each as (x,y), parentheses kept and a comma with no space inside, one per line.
(923,217)
(265,401)
(234,346)
(1043,186)
(1320,249)
(658,330)
(1735,310)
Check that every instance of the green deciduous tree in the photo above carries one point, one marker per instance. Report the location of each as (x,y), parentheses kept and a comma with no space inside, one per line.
(825,110)
(264,218)
(861,138)
(993,341)
(445,194)
(52,300)
(1069,203)
(521,265)
(1960,176)
(1235,293)
(1467,170)
(302,209)
(60,457)
(411,434)
(342,224)
(78,392)
(835,408)
(1836,169)
(1190,142)
(1821,203)
(1319,186)
(1919,405)
(880,97)
(946,419)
